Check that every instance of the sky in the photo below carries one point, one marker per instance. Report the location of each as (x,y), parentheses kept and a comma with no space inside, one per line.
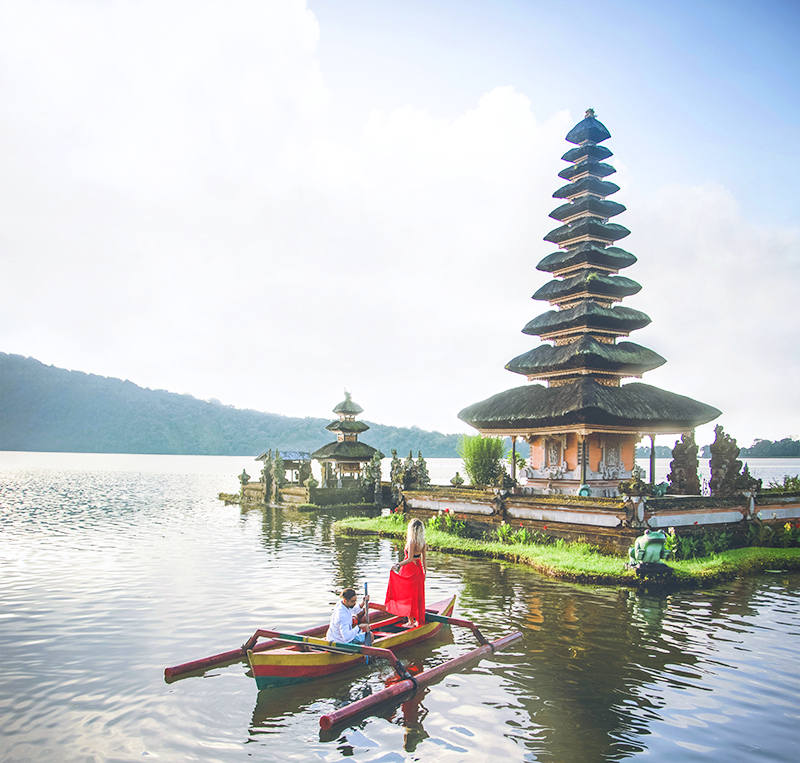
(267,202)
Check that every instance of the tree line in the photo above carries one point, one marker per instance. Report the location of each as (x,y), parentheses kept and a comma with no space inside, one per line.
(785,448)
(43,408)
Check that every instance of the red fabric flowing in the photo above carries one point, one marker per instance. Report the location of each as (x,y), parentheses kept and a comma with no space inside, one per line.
(405,595)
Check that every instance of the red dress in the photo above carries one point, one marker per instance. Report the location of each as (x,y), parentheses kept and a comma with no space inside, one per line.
(405,595)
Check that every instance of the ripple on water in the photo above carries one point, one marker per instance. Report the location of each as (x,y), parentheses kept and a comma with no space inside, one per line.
(108,576)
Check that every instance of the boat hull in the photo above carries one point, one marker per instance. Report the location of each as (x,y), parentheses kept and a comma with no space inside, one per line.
(291,664)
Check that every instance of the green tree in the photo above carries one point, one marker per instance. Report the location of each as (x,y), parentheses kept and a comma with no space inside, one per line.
(483,458)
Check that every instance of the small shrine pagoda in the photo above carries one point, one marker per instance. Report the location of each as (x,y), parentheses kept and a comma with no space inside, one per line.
(343,461)
(583,426)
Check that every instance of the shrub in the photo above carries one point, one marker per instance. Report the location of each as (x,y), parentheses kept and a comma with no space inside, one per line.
(789,485)
(483,458)
(521,537)
(447,522)
(503,533)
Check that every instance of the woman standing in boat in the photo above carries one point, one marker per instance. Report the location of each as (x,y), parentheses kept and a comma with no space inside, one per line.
(405,595)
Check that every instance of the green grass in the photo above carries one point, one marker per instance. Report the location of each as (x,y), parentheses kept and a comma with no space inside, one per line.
(582,562)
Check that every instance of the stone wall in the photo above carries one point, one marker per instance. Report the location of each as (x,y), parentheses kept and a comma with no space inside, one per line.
(328,496)
(610,522)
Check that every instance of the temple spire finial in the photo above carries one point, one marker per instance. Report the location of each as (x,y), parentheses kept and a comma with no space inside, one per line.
(589,114)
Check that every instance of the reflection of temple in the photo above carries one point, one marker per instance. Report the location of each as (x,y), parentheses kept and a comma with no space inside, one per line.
(343,461)
(584,425)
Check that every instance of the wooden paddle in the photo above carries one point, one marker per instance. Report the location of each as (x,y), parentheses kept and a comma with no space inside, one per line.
(367,634)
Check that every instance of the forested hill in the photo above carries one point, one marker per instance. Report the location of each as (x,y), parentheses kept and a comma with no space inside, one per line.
(43,408)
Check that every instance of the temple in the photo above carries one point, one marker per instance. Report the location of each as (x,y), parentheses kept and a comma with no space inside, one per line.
(343,460)
(583,424)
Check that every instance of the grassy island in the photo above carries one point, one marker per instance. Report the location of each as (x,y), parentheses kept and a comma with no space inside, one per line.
(583,562)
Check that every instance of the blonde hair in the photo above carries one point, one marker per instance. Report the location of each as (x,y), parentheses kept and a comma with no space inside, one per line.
(415,534)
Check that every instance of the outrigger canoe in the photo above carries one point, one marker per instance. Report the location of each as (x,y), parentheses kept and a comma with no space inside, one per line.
(291,658)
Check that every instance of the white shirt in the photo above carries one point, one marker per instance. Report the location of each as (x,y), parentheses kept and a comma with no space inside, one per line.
(341,628)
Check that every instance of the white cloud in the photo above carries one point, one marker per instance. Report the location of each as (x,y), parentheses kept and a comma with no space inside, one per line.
(722,294)
(178,208)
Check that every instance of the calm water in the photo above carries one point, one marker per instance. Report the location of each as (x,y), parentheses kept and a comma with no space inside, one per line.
(113,567)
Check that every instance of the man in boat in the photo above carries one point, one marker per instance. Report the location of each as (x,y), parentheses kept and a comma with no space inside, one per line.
(345,627)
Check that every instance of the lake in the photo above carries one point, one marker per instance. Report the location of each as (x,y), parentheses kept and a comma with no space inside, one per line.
(113,567)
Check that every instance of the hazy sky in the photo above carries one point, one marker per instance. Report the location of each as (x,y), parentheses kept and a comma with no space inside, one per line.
(267,201)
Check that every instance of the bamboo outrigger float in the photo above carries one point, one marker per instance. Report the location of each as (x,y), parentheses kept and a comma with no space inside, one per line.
(411,684)
(292,657)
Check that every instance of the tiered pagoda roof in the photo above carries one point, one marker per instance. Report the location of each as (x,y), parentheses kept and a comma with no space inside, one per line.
(346,447)
(585,366)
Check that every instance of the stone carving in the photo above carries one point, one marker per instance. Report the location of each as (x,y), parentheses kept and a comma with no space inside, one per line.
(555,472)
(396,471)
(683,476)
(727,475)
(244,478)
(554,467)
(423,478)
(610,465)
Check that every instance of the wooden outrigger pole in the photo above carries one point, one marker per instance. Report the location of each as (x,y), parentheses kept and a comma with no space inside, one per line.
(236,655)
(310,639)
(366,705)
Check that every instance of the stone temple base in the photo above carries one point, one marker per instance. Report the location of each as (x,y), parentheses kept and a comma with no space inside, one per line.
(599,488)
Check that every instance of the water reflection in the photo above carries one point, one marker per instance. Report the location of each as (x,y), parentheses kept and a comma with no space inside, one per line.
(106,577)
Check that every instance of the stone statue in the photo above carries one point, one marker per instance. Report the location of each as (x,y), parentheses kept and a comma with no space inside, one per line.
(244,478)
(396,470)
(423,478)
(727,475)
(683,477)
(409,479)
(648,549)
(457,481)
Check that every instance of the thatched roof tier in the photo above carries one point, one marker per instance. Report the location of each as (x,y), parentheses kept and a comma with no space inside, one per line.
(592,227)
(588,316)
(589,129)
(600,207)
(587,405)
(344,451)
(587,151)
(348,426)
(589,283)
(586,354)
(347,407)
(609,258)
(586,364)
(597,169)
(589,184)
